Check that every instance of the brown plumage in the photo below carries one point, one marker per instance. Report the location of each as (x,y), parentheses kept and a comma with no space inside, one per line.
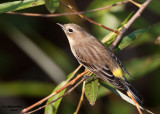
(97,58)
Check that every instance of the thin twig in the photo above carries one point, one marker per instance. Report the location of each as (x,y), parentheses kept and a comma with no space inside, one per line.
(81,99)
(128,24)
(68,92)
(64,14)
(88,19)
(135,3)
(135,102)
(56,92)
(75,71)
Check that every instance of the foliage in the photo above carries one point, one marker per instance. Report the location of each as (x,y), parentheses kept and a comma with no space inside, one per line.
(17,64)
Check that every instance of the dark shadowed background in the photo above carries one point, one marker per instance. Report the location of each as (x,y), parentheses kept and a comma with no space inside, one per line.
(35,56)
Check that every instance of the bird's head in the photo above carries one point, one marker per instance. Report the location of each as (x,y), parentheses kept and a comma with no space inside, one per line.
(74,32)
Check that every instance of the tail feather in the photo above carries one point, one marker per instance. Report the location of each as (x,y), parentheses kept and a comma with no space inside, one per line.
(135,94)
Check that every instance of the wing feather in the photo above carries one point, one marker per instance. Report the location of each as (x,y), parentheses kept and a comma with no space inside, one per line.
(91,58)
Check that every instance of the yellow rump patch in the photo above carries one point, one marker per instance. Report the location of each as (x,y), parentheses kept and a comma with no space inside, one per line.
(117,72)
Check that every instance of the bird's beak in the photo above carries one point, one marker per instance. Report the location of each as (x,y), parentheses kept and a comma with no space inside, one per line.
(60,25)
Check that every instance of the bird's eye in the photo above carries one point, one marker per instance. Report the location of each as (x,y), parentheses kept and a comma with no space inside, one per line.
(70,30)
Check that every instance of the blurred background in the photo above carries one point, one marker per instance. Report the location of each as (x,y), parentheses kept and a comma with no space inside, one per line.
(35,57)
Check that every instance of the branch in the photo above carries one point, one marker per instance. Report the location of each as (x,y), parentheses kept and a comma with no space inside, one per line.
(64,14)
(88,19)
(68,92)
(136,15)
(25,110)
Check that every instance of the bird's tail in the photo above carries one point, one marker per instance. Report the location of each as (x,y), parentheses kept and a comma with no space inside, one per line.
(131,91)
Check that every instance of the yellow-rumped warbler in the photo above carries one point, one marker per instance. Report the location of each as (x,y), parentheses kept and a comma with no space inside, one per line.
(98,59)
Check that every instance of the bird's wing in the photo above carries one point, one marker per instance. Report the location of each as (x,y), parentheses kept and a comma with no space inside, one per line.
(121,65)
(105,74)
(93,60)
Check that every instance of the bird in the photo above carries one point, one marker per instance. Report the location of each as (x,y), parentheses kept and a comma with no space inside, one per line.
(98,59)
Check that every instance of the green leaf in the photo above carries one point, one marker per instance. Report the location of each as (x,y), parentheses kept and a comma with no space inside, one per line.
(127,40)
(91,90)
(109,38)
(126,20)
(52,108)
(51,5)
(18,5)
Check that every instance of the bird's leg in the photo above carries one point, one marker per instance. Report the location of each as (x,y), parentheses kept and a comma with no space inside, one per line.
(136,104)
(54,93)
(89,76)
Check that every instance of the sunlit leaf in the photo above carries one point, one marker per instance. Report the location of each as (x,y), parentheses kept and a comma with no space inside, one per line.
(52,108)
(127,40)
(18,5)
(109,38)
(51,5)
(126,20)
